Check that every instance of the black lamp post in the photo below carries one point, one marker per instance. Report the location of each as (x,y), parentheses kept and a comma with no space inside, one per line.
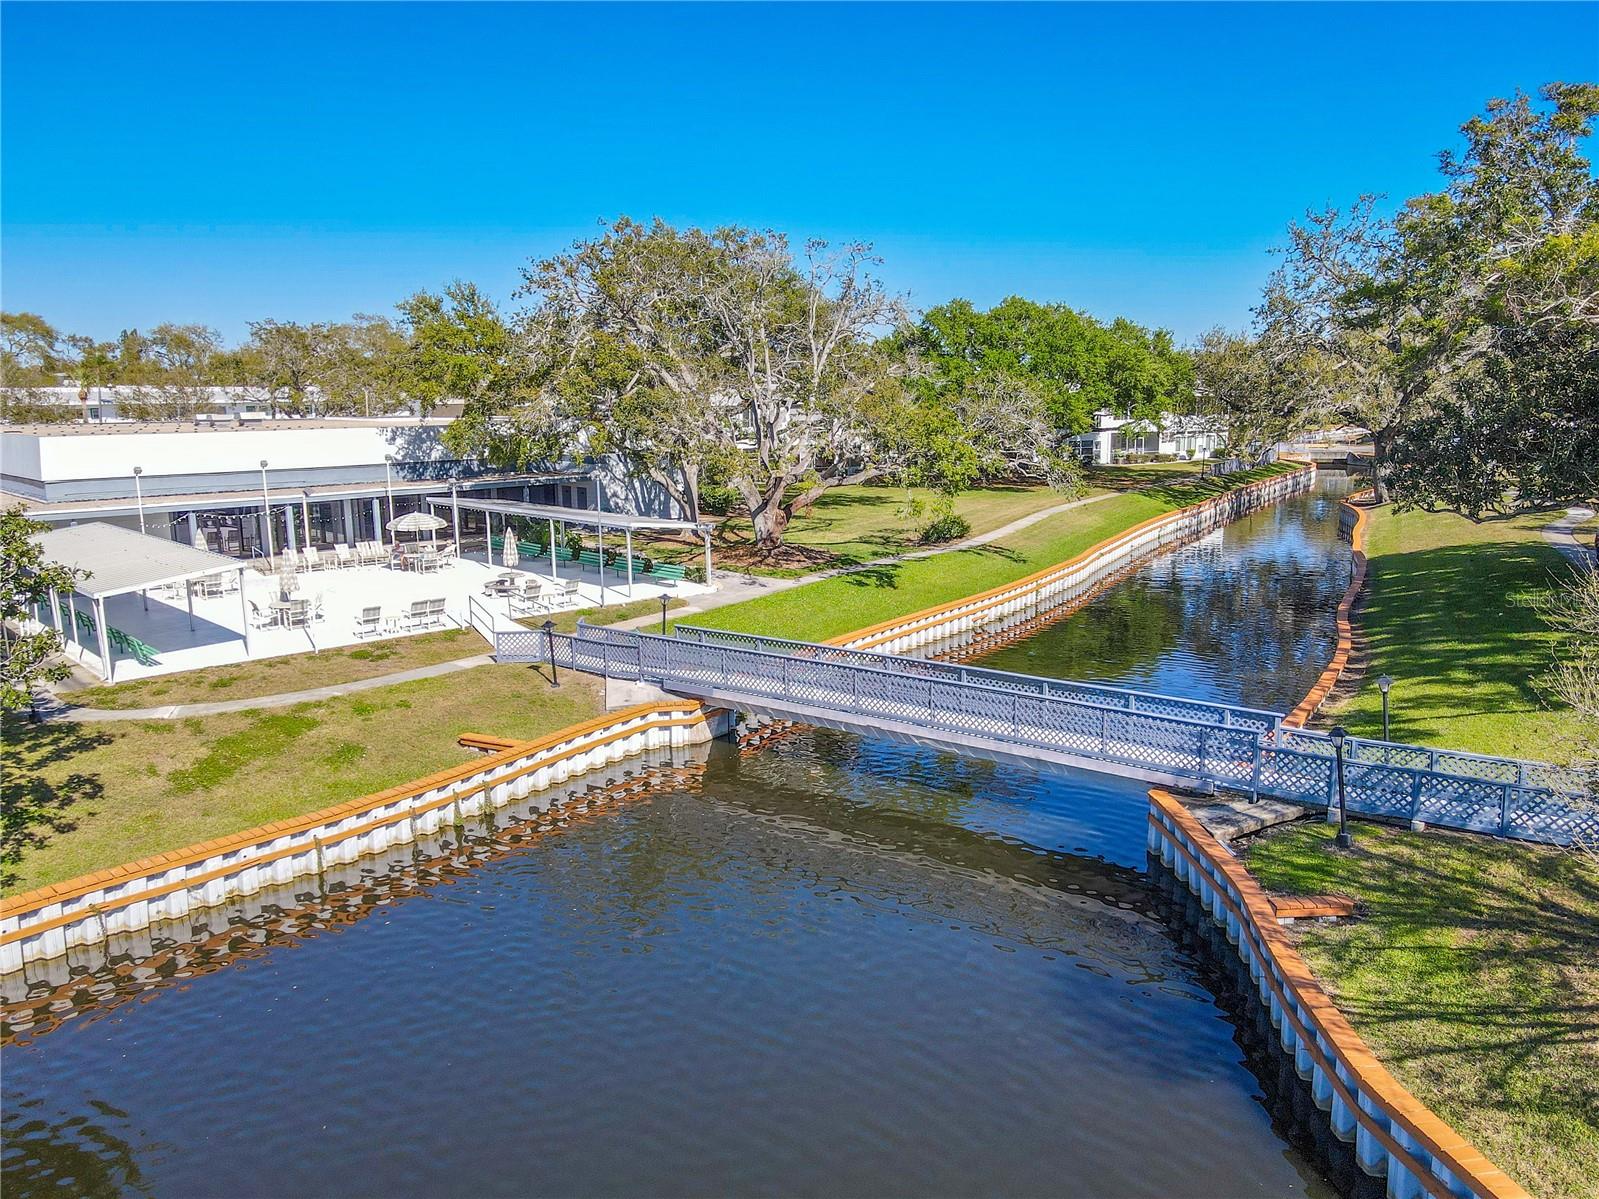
(664,602)
(549,633)
(1338,735)
(1383,683)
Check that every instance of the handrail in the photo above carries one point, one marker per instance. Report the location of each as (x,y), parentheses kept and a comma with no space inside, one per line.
(1525,800)
(963,673)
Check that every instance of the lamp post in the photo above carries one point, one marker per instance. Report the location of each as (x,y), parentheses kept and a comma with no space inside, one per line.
(1383,683)
(266,510)
(549,633)
(664,602)
(138,494)
(388,486)
(1338,736)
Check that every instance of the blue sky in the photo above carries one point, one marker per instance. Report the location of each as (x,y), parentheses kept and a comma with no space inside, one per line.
(219,163)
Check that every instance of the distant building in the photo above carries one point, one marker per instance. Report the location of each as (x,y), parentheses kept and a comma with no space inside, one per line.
(325,482)
(1113,437)
(208,405)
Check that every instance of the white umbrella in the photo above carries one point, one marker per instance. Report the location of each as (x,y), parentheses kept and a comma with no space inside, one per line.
(199,542)
(416,522)
(510,554)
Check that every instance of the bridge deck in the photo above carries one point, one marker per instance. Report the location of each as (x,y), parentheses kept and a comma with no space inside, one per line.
(1063,723)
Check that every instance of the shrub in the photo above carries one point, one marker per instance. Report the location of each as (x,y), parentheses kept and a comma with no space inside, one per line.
(717,500)
(694,574)
(946,528)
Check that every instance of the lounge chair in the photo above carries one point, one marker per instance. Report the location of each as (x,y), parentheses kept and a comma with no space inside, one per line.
(343,555)
(532,598)
(369,623)
(314,559)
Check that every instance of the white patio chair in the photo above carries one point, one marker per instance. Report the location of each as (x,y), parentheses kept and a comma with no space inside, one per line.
(369,623)
(314,559)
(344,556)
(260,619)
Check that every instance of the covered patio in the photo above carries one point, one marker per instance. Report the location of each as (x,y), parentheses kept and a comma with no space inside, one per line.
(151,606)
(558,519)
(110,562)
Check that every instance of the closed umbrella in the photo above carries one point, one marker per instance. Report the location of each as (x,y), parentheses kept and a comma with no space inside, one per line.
(509,554)
(199,540)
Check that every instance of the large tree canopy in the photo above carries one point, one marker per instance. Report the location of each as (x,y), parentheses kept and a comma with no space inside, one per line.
(1075,363)
(1408,325)
(723,353)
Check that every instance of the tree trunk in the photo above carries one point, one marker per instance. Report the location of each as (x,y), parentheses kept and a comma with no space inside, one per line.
(770,518)
(1382,444)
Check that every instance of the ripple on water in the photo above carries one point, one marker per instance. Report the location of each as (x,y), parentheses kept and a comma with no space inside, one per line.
(833,966)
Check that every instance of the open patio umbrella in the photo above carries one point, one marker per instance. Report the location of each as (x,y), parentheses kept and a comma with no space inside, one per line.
(415,522)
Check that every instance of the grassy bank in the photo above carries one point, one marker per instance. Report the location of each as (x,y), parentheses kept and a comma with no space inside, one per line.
(1473,972)
(829,607)
(1449,614)
(77,797)
(294,672)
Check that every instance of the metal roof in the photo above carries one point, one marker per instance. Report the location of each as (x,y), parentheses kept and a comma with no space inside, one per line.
(118,560)
(572,516)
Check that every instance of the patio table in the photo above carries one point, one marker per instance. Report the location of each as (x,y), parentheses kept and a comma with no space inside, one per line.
(280,611)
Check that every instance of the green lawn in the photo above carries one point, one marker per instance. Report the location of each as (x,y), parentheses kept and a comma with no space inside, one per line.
(851,525)
(295,672)
(1473,973)
(829,607)
(1448,616)
(78,797)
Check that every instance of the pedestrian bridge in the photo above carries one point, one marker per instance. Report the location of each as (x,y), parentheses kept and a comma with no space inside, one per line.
(1062,724)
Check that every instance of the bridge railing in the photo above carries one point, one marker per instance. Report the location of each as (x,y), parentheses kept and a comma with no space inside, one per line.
(1103,694)
(1381,779)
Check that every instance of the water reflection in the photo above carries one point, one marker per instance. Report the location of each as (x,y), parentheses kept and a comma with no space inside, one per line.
(1245,615)
(833,966)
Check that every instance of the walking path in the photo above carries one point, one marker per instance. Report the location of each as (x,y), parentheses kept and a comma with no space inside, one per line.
(746,587)
(1559,533)
(62,710)
(733,588)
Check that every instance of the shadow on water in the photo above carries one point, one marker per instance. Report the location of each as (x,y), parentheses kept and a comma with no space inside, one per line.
(952,974)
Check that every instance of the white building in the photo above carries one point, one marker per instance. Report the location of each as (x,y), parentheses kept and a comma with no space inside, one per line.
(1113,438)
(323,482)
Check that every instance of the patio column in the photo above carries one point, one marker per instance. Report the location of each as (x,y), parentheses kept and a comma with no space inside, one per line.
(553,573)
(77,634)
(244,613)
(55,611)
(305,519)
(601,532)
(349,537)
(188,594)
(107,667)
(377,521)
(707,533)
(627,534)
(288,530)
(455,515)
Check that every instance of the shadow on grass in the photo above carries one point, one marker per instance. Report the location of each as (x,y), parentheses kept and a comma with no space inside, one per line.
(35,805)
(1475,959)
(1456,626)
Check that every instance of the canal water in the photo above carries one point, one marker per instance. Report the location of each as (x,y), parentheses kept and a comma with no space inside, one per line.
(1245,615)
(830,966)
